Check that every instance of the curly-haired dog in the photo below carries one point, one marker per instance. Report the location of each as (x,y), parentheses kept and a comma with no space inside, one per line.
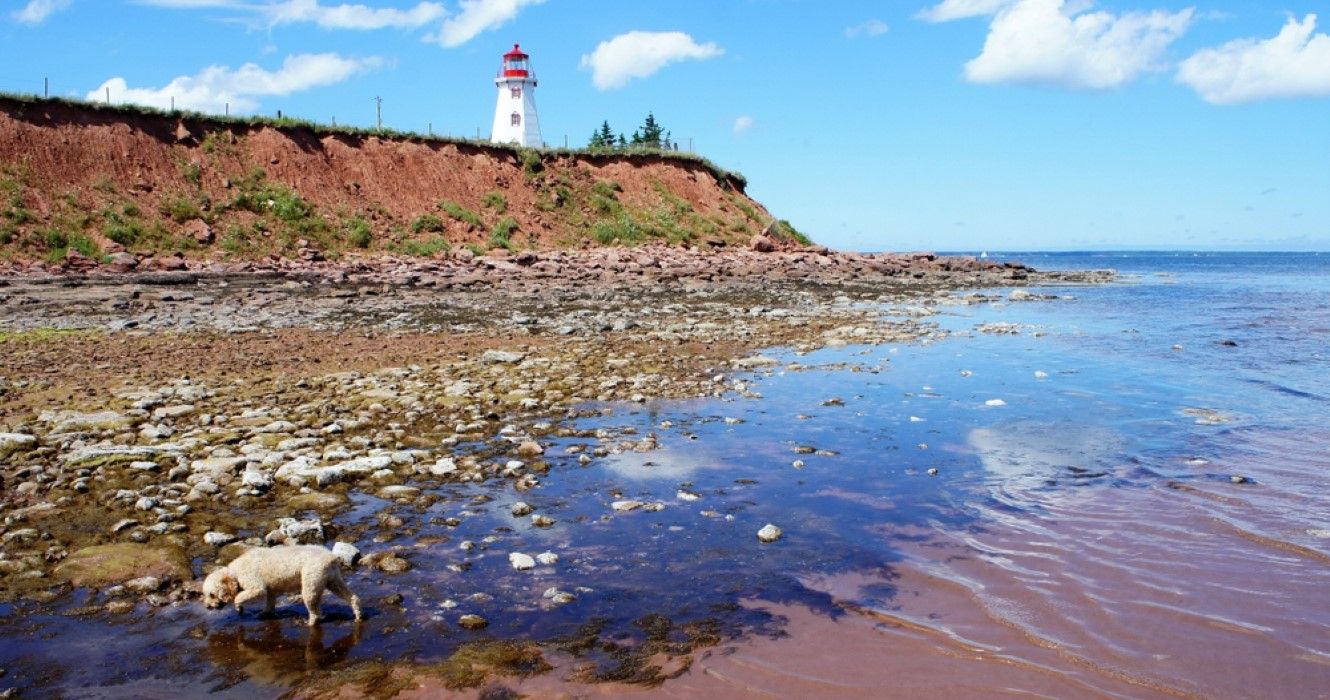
(266,572)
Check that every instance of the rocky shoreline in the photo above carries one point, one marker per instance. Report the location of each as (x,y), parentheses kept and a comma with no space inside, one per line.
(157,422)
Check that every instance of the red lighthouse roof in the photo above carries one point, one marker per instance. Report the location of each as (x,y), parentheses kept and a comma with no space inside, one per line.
(515,63)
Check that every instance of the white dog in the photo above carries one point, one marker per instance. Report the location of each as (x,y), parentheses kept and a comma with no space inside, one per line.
(266,572)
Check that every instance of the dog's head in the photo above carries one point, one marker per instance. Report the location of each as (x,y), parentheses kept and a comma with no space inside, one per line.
(219,588)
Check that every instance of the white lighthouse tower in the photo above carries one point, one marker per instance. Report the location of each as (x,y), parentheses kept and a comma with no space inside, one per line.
(515,119)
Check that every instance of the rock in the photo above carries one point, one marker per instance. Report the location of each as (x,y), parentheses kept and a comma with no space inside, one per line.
(302,531)
(144,584)
(754,362)
(443,467)
(15,442)
(995,402)
(145,503)
(539,520)
(530,448)
(521,562)
(122,262)
(74,421)
(398,491)
(687,495)
(347,552)
(124,524)
(625,506)
(932,471)
(520,509)
(472,622)
(106,564)
(769,533)
(492,357)
(762,244)
(547,558)
(256,480)
(1238,479)
(392,564)
(213,538)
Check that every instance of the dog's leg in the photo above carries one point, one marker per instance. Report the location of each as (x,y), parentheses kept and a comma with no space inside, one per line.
(247,596)
(311,589)
(270,603)
(338,586)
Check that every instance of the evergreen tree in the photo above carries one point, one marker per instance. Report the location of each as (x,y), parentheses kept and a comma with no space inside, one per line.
(651,132)
(606,134)
(623,142)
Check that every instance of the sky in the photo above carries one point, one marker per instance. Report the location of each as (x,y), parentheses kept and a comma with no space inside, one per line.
(951,125)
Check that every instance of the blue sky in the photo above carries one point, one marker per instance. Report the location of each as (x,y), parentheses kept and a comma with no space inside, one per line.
(909,124)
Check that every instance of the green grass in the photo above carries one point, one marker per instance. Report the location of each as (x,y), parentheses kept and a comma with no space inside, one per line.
(502,234)
(495,201)
(427,223)
(460,213)
(181,208)
(423,249)
(357,232)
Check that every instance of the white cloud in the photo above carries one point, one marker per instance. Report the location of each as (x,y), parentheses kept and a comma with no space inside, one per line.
(873,27)
(36,11)
(1295,63)
(216,86)
(639,54)
(949,10)
(477,16)
(1049,41)
(342,16)
(742,124)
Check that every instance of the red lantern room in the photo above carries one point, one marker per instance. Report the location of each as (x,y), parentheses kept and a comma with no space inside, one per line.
(515,63)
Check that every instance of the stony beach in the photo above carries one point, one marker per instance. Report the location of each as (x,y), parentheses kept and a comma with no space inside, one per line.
(160,417)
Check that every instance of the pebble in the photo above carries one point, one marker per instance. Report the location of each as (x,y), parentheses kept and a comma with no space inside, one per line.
(218,539)
(472,622)
(521,562)
(547,558)
(932,471)
(520,509)
(995,402)
(1237,479)
(625,506)
(769,533)
(542,521)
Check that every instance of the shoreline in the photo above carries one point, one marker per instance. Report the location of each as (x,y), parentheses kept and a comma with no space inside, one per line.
(241,411)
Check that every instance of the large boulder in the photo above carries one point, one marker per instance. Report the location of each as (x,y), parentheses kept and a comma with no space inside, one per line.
(108,564)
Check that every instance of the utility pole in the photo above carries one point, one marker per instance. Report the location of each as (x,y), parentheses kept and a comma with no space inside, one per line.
(46,87)
(108,95)
(378,102)
(228,109)
(431,129)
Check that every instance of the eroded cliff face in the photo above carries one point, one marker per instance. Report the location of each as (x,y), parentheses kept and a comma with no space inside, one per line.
(99,181)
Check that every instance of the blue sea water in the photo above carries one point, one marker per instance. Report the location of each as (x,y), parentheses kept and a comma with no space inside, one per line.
(1133,476)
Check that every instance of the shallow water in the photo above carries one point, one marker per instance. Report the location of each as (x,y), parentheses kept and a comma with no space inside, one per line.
(1082,535)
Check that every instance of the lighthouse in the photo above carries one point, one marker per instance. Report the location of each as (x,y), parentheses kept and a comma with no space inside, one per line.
(515,119)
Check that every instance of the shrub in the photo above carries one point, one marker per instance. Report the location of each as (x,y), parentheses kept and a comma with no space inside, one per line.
(427,222)
(84,245)
(358,233)
(607,188)
(786,229)
(194,174)
(501,236)
(181,209)
(495,201)
(531,163)
(56,239)
(126,233)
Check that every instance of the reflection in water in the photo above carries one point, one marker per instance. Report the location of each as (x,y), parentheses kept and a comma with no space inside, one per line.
(277,652)
(1026,456)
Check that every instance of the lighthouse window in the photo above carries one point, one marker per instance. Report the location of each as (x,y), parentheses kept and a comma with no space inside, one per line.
(517,119)
(517,93)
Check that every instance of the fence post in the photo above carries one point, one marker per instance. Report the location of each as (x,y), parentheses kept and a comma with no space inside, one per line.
(46,87)
(108,95)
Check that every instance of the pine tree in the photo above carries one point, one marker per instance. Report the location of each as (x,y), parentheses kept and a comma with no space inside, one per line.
(651,132)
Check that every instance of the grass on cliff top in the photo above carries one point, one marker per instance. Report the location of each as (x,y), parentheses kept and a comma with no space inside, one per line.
(528,156)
